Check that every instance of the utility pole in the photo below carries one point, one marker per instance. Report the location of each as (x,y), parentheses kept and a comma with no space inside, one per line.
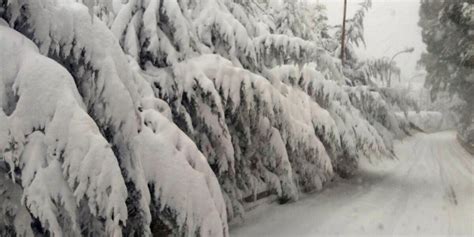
(343,36)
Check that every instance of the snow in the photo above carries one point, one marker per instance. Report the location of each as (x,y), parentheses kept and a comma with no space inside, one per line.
(342,118)
(56,141)
(213,89)
(226,97)
(176,168)
(428,121)
(111,89)
(171,114)
(12,213)
(426,192)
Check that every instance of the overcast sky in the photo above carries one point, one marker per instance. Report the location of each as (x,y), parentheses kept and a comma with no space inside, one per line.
(390,26)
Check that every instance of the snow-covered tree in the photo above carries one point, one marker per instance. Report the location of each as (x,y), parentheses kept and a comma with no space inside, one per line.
(190,109)
(200,109)
(129,129)
(288,20)
(446,30)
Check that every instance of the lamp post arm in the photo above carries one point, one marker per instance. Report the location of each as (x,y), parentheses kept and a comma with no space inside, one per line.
(408,50)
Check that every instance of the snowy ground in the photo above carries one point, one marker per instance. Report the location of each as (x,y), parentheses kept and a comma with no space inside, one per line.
(429,191)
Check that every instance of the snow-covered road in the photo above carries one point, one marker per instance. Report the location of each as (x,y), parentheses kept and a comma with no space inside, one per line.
(429,191)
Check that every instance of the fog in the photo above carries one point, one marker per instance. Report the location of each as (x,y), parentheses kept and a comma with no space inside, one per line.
(390,26)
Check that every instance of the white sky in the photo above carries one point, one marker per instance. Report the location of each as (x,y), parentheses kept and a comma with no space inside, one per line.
(390,26)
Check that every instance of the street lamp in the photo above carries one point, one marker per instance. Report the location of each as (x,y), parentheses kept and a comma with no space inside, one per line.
(406,50)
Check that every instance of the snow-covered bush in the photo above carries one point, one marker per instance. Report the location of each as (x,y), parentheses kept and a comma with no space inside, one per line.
(118,100)
(267,146)
(353,136)
(53,148)
(197,104)
(189,108)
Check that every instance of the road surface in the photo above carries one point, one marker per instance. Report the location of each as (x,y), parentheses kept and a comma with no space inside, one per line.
(429,191)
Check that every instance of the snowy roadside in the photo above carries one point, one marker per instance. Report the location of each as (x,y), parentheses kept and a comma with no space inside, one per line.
(428,191)
(267,208)
(428,121)
(469,147)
